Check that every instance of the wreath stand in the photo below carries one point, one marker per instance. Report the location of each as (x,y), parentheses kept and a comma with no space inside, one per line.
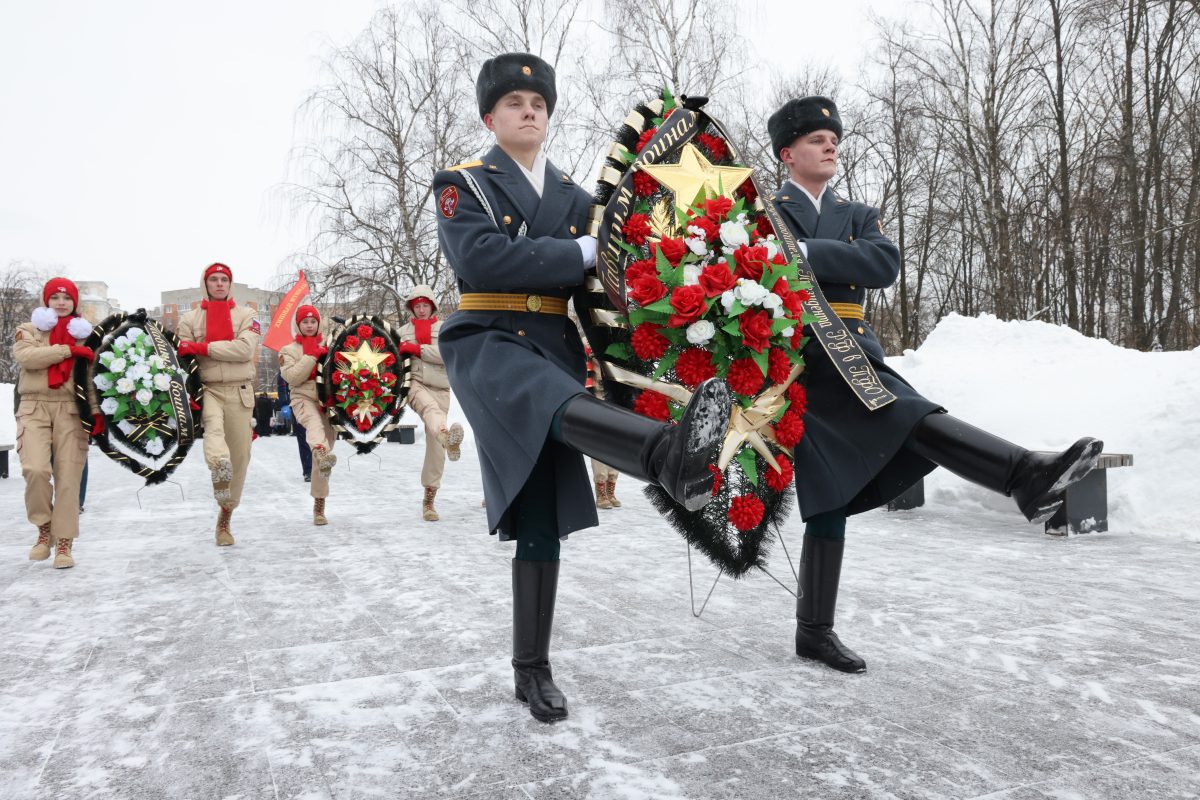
(379,461)
(176,484)
(720,572)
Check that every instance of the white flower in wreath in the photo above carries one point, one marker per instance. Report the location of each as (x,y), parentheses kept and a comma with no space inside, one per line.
(162,381)
(701,333)
(125,386)
(772,247)
(144,396)
(696,242)
(137,371)
(788,331)
(727,299)
(751,293)
(102,383)
(154,446)
(156,362)
(106,357)
(134,333)
(148,381)
(734,235)
(125,427)
(172,423)
(118,365)
(691,274)
(109,405)
(121,342)
(135,357)
(773,303)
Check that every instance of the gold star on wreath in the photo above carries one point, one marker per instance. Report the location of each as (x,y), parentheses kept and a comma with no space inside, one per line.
(363,357)
(695,174)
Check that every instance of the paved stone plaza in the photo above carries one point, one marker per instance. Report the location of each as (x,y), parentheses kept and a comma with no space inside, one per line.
(370,658)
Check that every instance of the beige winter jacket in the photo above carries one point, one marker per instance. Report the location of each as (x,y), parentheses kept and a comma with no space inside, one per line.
(429,369)
(226,362)
(35,354)
(297,370)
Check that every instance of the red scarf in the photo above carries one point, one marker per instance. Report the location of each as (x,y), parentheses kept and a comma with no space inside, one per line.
(424,330)
(218,323)
(58,373)
(311,344)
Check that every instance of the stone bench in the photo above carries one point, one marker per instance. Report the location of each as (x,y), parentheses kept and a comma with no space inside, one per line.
(403,434)
(4,448)
(1084,508)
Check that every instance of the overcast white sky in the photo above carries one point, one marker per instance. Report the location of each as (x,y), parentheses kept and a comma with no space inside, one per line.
(142,140)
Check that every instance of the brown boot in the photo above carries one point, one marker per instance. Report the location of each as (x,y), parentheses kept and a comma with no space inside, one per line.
(323,460)
(222,478)
(319,511)
(224,537)
(454,439)
(45,543)
(602,495)
(612,493)
(62,558)
(427,510)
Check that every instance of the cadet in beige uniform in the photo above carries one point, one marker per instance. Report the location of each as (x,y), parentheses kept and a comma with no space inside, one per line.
(429,394)
(51,440)
(298,365)
(224,338)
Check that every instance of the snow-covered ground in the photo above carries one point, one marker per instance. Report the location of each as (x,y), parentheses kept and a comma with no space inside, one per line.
(369,658)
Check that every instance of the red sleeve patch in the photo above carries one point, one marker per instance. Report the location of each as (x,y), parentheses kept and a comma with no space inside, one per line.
(254,326)
(448,201)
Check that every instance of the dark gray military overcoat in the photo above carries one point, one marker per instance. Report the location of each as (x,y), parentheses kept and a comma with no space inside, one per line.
(509,370)
(850,457)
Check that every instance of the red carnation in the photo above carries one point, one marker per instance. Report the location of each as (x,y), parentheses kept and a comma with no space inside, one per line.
(646,136)
(641,269)
(780,480)
(673,249)
(764,226)
(694,366)
(389,360)
(389,378)
(794,303)
(746,511)
(711,229)
(718,479)
(652,405)
(364,373)
(716,279)
(718,207)
(353,342)
(365,331)
(748,191)
(749,262)
(364,425)
(648,343)
(689,304)
(744,377)
(799,397)
(779,366)
(636,229)
(645,290)
(339,377)
(790,429)
(377,342)
(644,184)
(715,145)
(755,328)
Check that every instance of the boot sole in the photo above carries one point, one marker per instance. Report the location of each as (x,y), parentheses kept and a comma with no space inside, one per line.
(1083,463)
(706,433)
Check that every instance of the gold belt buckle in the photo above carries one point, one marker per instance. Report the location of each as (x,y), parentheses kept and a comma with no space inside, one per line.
(534,303)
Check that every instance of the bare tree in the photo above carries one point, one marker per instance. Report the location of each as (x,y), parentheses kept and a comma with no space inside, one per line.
(19,283)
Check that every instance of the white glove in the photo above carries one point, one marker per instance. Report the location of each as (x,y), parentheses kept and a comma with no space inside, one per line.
(587,246)
(804,250)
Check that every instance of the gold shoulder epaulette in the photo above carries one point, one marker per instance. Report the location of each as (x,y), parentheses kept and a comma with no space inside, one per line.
(465,165)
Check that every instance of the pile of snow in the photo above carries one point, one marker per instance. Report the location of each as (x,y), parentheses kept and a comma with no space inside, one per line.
(8,423)
(1043,386)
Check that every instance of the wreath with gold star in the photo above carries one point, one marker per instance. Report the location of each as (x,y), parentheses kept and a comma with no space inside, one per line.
(692,284)
(363,381)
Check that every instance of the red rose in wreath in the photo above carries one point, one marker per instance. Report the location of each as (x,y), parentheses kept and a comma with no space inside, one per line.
(711,229)
(755,328)
(716,279)
(645,290)
(750,261)
(640,269)
(718,207)
(673,249)
(689,304)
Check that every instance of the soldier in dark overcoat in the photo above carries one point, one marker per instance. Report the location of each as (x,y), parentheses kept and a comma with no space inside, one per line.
(853,459)
(512,225)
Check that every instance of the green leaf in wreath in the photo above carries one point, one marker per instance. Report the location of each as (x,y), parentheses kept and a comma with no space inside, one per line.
(781,324)
(665,363)
(762,359)
(748,460)
(619,350)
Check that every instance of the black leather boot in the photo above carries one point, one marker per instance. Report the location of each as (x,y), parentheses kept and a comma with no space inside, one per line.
(676,457)
(1034,480)
(535,585)
(820,572)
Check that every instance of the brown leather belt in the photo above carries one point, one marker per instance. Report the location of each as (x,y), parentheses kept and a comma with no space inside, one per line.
(527,303)
(847,310)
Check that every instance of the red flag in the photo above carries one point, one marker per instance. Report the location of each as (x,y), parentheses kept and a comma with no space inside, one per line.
(280,332)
